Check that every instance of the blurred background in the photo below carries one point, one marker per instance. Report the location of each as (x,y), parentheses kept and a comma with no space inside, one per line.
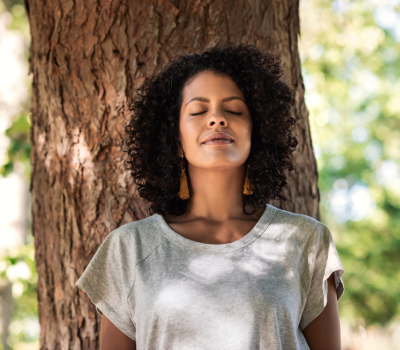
(350,52)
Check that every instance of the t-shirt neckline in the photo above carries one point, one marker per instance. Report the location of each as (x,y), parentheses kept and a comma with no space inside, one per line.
(261,225)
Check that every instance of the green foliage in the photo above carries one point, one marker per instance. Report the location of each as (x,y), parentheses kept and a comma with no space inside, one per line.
(18,266)
(19,147)
(350,68)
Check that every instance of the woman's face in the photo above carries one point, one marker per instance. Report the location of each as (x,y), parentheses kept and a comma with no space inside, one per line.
(213,104)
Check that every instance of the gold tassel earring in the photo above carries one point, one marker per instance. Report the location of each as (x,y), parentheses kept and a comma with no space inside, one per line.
(184,190)
(247,188)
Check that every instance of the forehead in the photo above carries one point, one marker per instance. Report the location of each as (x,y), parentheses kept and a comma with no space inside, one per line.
(208,84)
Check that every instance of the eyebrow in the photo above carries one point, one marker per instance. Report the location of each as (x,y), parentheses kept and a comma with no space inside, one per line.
(226,99)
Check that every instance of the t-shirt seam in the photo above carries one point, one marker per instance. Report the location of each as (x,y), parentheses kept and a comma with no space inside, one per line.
(316,251)
(231,251)
(339,287)
(101,301)
(310,317)
(313,311)
(111,308)
(310,279)
(134,279)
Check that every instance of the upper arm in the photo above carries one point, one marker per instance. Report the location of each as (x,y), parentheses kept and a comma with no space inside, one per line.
(324,331)
(112,338)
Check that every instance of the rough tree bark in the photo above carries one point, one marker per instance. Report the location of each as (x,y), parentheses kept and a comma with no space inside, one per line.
(87,57)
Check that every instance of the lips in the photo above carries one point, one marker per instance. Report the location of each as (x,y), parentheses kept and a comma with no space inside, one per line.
(218,138)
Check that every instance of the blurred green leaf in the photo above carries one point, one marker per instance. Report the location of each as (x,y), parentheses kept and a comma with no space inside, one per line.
(350,69)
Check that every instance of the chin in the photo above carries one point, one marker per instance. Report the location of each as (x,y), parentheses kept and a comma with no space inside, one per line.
(219,163)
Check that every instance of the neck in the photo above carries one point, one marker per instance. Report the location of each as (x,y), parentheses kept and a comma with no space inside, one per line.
(216,195)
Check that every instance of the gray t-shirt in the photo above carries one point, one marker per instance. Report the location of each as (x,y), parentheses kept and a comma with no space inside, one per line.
(168,292)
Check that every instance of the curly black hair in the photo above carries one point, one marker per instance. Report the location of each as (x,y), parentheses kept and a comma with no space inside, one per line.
(153,129)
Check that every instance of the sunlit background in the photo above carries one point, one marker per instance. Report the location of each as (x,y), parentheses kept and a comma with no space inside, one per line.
(350,54)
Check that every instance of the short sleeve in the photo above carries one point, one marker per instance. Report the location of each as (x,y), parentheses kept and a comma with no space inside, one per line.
(108,279)
(323,260)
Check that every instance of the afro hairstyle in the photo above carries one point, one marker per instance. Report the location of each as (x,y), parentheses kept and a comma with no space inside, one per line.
(153,128)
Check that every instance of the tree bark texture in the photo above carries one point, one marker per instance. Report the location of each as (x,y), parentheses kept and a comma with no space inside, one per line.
(87,57)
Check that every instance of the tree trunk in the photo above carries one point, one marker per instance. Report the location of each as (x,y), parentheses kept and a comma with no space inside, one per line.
(87,57)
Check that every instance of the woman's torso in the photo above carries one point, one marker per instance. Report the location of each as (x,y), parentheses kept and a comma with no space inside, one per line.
(247,294)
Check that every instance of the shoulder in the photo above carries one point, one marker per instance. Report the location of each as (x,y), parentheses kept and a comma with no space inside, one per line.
(135,239)
(293,220)
(300,226)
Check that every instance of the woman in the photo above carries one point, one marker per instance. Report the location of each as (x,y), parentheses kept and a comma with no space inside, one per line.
(209,138)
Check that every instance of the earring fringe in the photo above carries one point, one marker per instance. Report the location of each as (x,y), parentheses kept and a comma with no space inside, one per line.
(184,190)
(247,188)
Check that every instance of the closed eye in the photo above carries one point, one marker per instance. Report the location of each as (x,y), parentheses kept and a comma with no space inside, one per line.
(234,112)
(199,113)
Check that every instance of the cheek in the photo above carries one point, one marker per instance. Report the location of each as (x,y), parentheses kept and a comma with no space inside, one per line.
(189,132)
(243,128)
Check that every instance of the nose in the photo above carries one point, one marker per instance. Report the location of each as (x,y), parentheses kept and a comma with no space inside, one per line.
(217,118)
